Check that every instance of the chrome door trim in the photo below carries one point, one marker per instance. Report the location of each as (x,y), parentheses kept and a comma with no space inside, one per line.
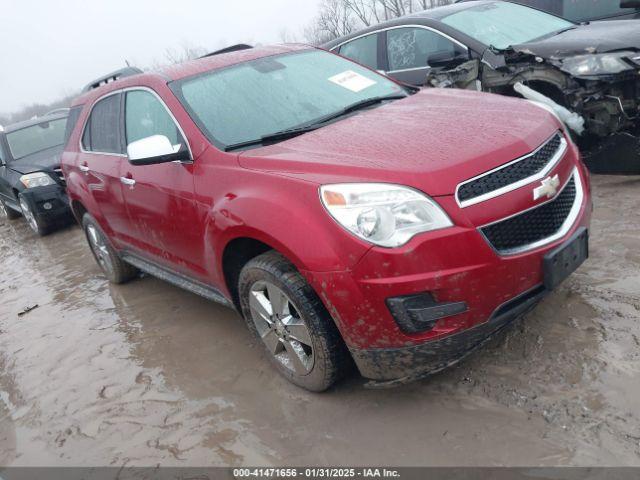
(424,27)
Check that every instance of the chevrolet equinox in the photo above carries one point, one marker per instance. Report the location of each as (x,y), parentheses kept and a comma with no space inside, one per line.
(349,218)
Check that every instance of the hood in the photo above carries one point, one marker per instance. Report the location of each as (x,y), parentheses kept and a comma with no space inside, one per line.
(431,141)
(596,37)
(40,161)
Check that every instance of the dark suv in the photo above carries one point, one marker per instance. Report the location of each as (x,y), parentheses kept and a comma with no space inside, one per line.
(31,181)
(345,215)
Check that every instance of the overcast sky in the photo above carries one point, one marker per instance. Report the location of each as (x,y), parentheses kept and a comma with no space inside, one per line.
(52,48)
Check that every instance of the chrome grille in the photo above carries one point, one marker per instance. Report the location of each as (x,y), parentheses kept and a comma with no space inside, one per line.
(538,226)
(513,175)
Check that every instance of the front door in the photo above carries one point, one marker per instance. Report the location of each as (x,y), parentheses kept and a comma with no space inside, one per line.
(160,198)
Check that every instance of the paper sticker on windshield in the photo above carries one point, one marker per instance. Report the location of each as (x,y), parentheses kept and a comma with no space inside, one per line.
(352,81)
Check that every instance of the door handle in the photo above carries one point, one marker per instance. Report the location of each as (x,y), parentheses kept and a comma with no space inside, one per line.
(130,182)
(84,168)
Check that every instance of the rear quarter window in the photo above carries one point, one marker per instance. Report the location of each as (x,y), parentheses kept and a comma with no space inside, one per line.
(72,121)
(2,155)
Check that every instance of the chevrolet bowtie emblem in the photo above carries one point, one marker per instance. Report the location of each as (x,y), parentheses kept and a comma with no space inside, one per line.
(549,188)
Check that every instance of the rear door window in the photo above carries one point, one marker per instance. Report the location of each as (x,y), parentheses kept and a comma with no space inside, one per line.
(363,50)
(102,131)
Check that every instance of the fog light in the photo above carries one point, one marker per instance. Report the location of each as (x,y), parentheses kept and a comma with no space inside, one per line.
(47,206)
(420,313)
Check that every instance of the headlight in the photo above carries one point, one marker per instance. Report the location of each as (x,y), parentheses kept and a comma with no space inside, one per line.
(383,214)
(38,179)
(602,64)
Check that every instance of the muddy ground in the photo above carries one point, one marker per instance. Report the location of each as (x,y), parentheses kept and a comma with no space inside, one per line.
(146,374)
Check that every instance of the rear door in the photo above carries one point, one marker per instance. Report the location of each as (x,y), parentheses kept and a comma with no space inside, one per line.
(160,198)
(100,162)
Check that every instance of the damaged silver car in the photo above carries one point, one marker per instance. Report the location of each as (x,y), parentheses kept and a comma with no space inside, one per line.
(587,74)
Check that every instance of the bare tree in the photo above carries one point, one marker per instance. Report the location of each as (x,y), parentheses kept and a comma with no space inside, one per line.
(334,20)
(186,51)
(37,109)
(172,56)
(341,17)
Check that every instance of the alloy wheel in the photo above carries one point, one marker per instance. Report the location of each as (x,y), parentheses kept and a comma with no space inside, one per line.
(28,215)
(281,327)
(100,249)
(3,210)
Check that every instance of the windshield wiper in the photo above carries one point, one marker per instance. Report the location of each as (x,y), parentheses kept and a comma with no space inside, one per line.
(321,122)
(361,105)
(273,137)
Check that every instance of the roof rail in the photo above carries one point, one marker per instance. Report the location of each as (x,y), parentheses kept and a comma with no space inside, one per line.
(232,48)
(112,77)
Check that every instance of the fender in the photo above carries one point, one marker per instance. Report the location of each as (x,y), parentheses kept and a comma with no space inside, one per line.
(256,211)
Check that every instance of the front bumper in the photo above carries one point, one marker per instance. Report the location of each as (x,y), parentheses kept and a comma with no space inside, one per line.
(49,203)
(393,366)
(453,266)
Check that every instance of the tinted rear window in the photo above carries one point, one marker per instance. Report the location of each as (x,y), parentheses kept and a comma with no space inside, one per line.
(72,120)
(102,131)
(2,154)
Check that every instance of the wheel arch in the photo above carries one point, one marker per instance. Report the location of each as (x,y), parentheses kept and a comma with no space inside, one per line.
(241,249)
(78,210)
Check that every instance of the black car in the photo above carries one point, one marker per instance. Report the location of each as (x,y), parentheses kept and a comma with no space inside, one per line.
(588,10)
(31,181)
(589,74)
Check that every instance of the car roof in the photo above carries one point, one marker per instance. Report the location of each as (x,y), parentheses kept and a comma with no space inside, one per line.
(35,121)
(190,68)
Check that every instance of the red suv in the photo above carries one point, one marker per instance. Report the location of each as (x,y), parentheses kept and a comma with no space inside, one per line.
(348,217)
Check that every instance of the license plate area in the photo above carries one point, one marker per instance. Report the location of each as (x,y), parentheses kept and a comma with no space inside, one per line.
(564,260)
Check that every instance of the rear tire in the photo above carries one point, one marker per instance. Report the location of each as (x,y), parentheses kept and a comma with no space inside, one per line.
(35,221)
(285,314)
(114,268)
(8,212)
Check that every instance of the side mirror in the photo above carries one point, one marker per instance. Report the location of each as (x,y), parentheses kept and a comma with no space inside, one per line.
(155,149)
(447,59)
(630,4)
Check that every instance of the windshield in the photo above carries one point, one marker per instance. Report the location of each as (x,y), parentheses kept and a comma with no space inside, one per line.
(503,24)
(272,94)
(34,139)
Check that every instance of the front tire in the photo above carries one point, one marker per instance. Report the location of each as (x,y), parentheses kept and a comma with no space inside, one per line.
(290,321)
(114,268)
(35,221)
(8,212)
